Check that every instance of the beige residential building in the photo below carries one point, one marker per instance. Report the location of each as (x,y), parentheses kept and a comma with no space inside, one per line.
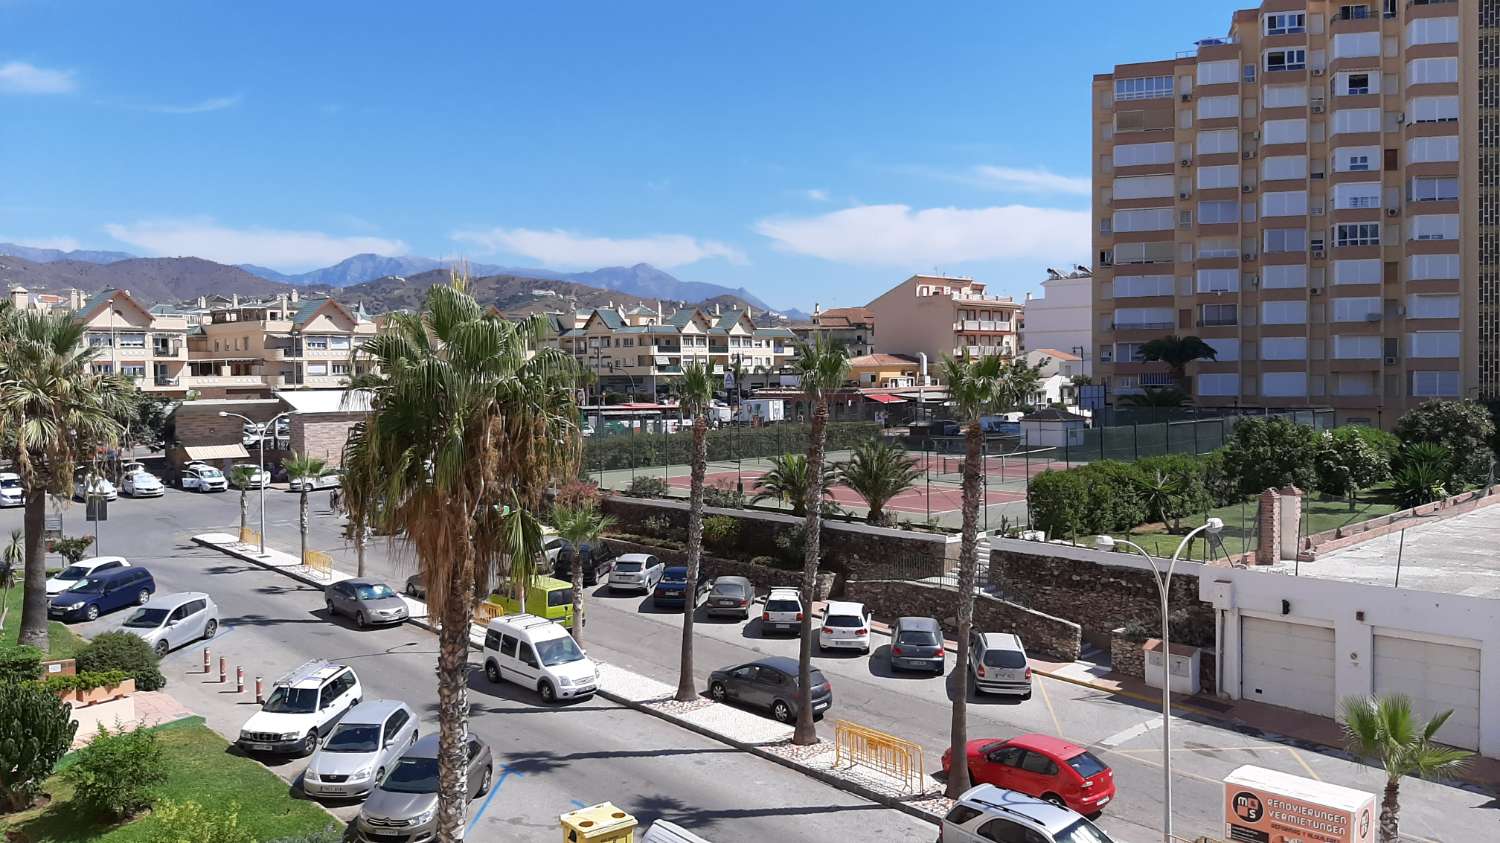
(851,327)
(1316,194)
(254,348)
(148,348)
(940,316)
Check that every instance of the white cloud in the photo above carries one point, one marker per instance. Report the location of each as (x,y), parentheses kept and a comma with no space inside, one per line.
(18,77)
(559,248)
(1031,180)
(62,244)
(276,248)
(210,104)
(816,194)
(901,236)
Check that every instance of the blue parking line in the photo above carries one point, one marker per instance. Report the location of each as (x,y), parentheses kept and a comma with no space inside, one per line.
(505,772)
(580,804)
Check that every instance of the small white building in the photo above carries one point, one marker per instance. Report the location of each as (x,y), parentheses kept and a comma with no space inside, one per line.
(1063,317)
(1057,371)
(1053,428)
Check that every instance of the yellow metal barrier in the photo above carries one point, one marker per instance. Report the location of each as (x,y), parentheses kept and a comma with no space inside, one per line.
(486,612)
(896,757)
(249,536)
(319,563)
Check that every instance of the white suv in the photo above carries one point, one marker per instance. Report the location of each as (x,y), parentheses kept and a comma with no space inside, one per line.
(845,625)
(987,813)
(304,706)
(537,653)
(203,478)
(783,611)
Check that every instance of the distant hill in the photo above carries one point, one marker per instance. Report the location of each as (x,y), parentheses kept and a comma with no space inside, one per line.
(36,255)
(645,280)
(369,267)
(153,280)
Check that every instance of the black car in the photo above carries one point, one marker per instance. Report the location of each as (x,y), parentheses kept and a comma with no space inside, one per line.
(598,561)
(770,683)
(671,589)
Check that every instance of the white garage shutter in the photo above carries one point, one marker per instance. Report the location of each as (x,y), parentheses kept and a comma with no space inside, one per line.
(1287,664)
(1437,677)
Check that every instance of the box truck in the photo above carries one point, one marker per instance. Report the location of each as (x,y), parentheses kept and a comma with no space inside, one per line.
(762,410)
(1266,806)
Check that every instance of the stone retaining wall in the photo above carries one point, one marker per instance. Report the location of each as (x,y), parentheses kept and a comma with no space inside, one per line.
(1043,635)
(762,577)
(1126,657)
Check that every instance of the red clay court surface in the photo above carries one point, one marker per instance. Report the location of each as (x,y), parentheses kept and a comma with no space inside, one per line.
(913,500)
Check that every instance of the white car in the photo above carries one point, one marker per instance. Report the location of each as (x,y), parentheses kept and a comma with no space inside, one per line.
(11,492)
(168,621)
(536,653)
(986,812)
(845,625)
(254,477)
(140,483)
(202,478)
(326,480)
(636,572)
(304,706)
(99,488)
(73,574)
(782,612)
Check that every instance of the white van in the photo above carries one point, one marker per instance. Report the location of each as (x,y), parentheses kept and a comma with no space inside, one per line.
(537,653)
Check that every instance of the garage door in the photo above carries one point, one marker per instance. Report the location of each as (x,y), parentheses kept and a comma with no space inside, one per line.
(1287,664)
(1437,677)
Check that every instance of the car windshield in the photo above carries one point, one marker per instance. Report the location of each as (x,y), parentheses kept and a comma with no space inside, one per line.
(783,606)
(286,700)
(146,618)
(818,678)
(1086,764)
(373,591)
(210,473)
(1082,831)
(845,621)
(729,589)
(90,585)
(354,737)
(10,483)
(917,637)
(413,775)
(628,567)
(73,572)
(558,651)
(1004,658)
(674,575)
(560,597)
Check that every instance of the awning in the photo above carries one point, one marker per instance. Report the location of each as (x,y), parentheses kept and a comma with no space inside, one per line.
(215,452)
(886,399)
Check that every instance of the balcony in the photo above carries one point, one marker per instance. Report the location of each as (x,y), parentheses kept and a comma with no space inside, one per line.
(1142,326)
(1218,321)
(198,381)
(984,325)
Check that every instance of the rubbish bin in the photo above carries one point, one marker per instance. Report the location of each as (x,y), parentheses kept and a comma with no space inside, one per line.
(602,823)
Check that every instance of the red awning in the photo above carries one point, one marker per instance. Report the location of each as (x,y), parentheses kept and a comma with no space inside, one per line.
(886,399)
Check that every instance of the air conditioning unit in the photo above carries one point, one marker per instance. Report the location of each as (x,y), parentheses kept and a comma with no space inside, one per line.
(1187,97)
(1255,136)
(1255,280)
(1401,310)
(1317,253)
(1315,291)
(1249,256)
(1391,212)
(1317,108)
(1186,162)
(1390,361)
(1184,194)
(1317,71)
(1317,210)
(1401,118)
(1247,188)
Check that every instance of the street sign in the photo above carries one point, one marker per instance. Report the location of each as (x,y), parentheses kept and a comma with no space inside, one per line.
(52,526)
(96,509)
(728,379)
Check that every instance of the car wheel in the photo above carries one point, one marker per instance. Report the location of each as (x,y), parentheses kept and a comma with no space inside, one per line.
(329,605)
(492,671)
(141,598)
(549,693)
(1054,799)
(161,648)
(782,712)
(92,612)
(310,743)
(411,590)
(359,619)
(718,691)
(211,629)
(484,782)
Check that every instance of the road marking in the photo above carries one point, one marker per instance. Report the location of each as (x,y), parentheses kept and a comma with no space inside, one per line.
(1300,760)
(579,804)
(1056,724)
(505,772)
(1133,732)
(1157,764)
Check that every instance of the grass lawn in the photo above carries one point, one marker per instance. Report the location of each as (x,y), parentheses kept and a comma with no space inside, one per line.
(1239,523)
(200,769)
(63,642)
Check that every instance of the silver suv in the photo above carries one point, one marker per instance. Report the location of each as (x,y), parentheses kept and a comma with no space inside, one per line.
(987,813)
(997,661)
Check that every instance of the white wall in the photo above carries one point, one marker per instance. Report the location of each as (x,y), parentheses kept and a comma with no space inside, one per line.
(1062,318)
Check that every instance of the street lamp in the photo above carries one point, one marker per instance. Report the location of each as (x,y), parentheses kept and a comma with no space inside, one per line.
(263,476)
(1164,590)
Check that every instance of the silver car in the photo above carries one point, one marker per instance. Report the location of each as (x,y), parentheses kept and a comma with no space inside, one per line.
(366,743)
(367,601)
(168,621)
(404,805)
(636,572)
(917,644)
(997,661)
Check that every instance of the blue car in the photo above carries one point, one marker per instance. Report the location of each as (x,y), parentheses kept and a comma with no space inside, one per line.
(671,589)
(93,596)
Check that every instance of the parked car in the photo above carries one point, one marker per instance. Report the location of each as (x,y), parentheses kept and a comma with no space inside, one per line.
(98,594)
(771,684)
(404,805)
(997,661)
(1042,766)
(782,612)
(536,653)
(730,596)
(845,625)
(200,477)
(304,705)
(85,486)
(917,644)
(671,590)
(366,743)
(327,480)
(416,586)
(598,560)
(168,621)
(366,601)
(140,483)
(11,491)
(73,574)
(636,572)
(987,813)
(254,478)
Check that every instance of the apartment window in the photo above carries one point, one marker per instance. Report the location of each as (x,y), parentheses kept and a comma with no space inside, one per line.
(1357,271)
(1285,240)
(1284,276)
(1211,107)
(1144,187)
(1285,131)
(1428,306)
(1432,70)
(1358,11)
(1432,31)
(1224,175)
(1219,314)
(1288,59)
(1283,384)
(339,343)
(1355,84)
(1144,317)
(132,340)
(101,368)
(316,343)
(1434,227)
(1132,286)
(1226,349)
(1362,309)
(1130,352)
(133,370)
(1283,96)
(317,370)
(1356,234)
(1285,203)
(1359,194)
(1348,45)
(1283,348)
(1434,384)
(1143,88)
(339,368)
(1136,154)
(1285,23)
(1284,167)
(1356,347)
(1347,120)
(1218,72)
(1283,313)
(1217,383)
(1219,140)
(1218,247)
(1210,213)
(1432,344)
(1218,280)
(1355,159)
(1353,384)
(1432,267)
(1428,150)
(1135,253)
(1432,110)
(1143,219)
(1433,188)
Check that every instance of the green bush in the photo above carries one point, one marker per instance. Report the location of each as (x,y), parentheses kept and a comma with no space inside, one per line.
(20,663)
(657,525)
(84,681)
(118,773)
(1347,462)
(647,487)
(1221,487)
(637,449)
(73,548)
(791,542)
(723,497)
(1172,487)
(189,822)
(125,652)
(1059,503)
(1423,473)
(1267,453)
(721,532)
(1112,500)
(1463,427)
(36,728)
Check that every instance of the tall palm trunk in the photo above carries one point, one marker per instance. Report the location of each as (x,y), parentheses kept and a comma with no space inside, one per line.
(302,524)
(359,547)
(244,510)
(968,564)
(578,594)
(453,700)
(34,597)
(1390,807)
(686,688)
(805,733)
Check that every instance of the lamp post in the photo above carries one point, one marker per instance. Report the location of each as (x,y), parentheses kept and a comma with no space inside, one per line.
(1164,591)
(264,478)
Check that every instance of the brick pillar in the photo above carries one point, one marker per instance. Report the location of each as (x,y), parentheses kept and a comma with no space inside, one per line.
(1268,528)
(1291,520)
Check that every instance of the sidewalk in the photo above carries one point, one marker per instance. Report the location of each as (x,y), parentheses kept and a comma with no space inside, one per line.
(289,564)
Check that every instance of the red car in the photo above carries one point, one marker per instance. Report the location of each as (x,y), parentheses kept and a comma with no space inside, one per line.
(1045,767)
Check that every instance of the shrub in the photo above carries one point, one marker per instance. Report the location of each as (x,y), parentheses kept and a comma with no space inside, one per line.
(84,681)
(1269,453)
(19,664)
(117,774)
(1112,499)
(792,544)
(1463,427)
(657,525)
(1422,474)
(189,822)
(73,548)
(1058,501)
(577,494)
(125,652)
(1172,487)
(1346,463)
(647,487)
(721,532)
(1221,487)
(723,497)
(36,728)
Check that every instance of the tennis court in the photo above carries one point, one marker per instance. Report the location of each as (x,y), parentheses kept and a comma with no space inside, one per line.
(922,501)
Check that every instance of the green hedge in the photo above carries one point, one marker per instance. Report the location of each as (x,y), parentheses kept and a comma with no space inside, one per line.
(638,449)
(1110,496)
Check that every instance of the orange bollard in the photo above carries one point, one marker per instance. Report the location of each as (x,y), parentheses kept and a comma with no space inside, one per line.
(206,658)
(223,669)
(239,680)
(260,696)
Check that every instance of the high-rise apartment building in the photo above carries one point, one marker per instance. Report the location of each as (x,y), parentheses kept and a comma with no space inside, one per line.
(1317,196)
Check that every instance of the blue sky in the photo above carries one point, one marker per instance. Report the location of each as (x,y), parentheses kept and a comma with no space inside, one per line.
(813,152)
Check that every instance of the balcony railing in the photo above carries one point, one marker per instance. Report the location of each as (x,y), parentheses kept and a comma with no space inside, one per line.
(1218,321)
(983,325)
(1142,326)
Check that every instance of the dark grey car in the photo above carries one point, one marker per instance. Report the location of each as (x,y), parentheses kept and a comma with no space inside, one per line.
(917,644)
(770,683)
(730,596)
(367,601)
(404,805)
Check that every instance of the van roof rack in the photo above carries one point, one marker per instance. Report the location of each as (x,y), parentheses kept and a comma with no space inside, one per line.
(523,620)
(311,669)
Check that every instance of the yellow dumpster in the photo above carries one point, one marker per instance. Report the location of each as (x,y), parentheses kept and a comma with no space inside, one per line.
(602,823)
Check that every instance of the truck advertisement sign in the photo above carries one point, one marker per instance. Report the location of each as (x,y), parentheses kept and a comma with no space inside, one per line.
(1266,806)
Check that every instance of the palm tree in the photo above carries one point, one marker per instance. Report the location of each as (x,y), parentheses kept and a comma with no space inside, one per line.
(357,492)
(877,471)
(579,526)
(1177,352)
(1387,731)
(12,556)
(822,366)
(787,481)
(240,476)
(697,391)
(303,467)
(53,410)
(471,422)
(1019,384)
(1156,396)
(974,388)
